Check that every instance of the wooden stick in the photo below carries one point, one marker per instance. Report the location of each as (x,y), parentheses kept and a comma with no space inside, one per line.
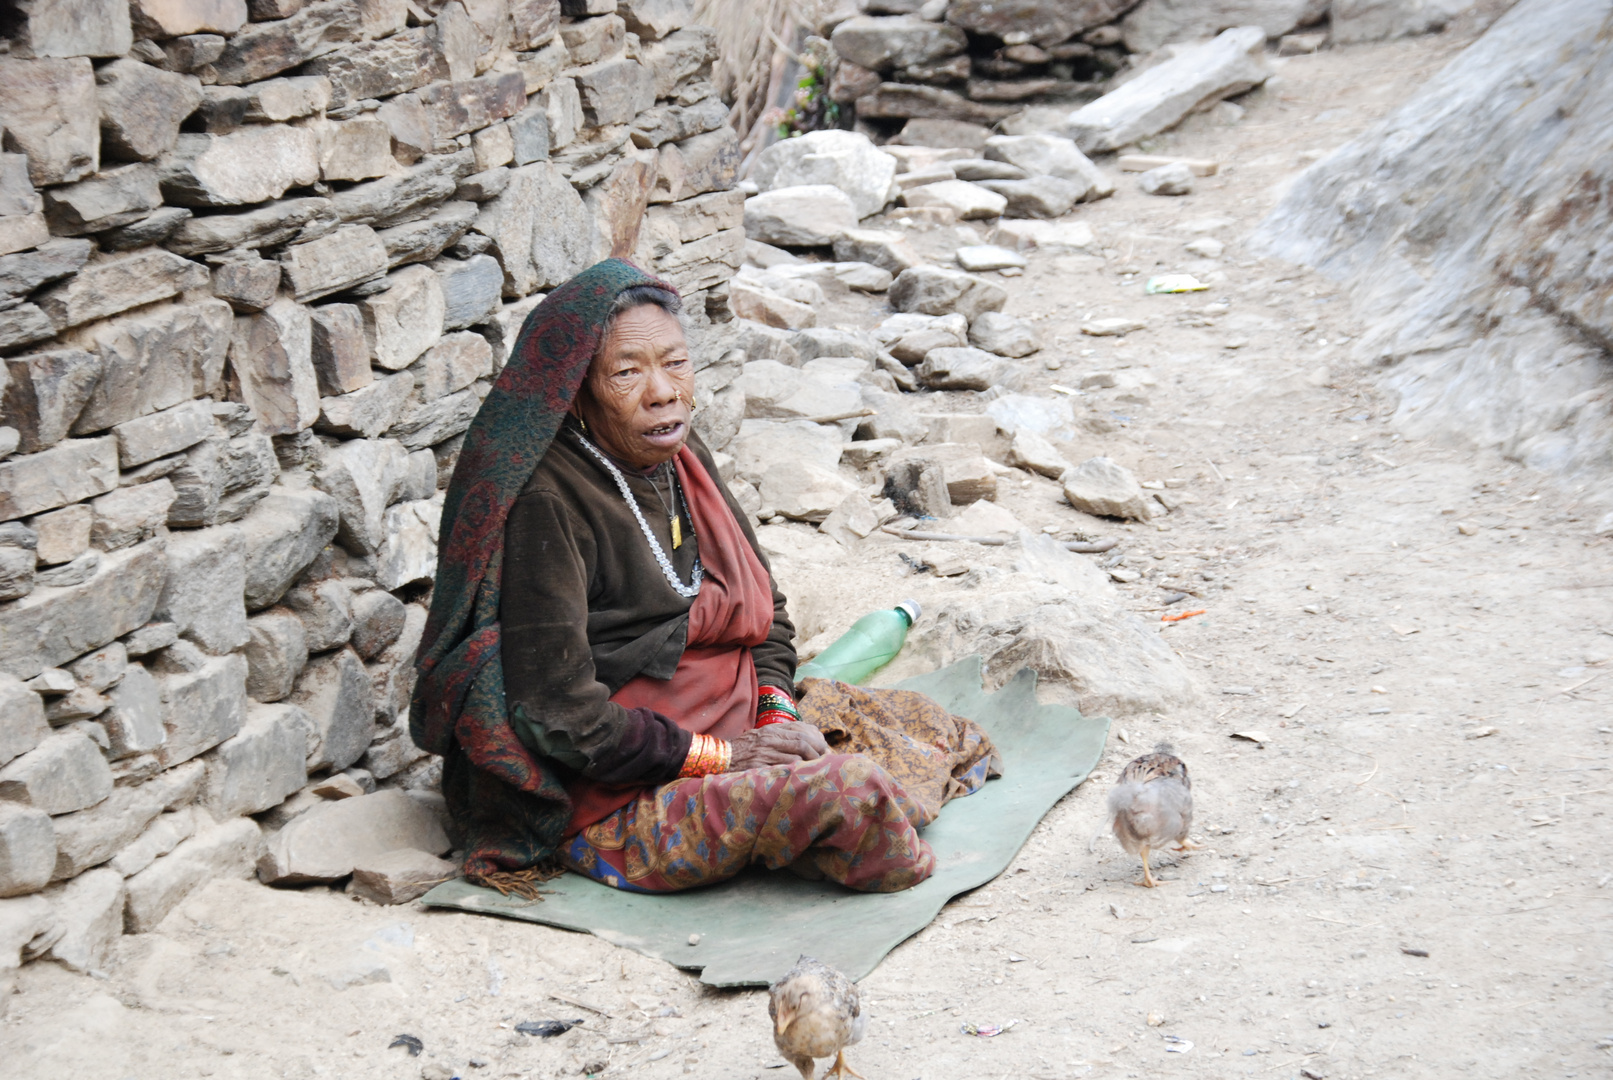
(1089,547)
(837,416)
(1576,686)
(564,1000)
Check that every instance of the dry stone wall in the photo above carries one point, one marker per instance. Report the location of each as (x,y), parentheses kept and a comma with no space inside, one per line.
(981,61)
(259,264)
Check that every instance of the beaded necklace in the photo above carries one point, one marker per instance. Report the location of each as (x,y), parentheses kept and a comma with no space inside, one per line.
(688,591)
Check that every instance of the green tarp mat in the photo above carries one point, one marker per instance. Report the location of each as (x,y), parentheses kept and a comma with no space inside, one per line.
(753,927)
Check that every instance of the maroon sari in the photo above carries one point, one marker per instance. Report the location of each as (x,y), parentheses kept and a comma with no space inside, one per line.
(714,691)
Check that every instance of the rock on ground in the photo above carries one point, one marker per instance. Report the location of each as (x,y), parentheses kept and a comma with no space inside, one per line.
(1050,155)
(811,215)
(1005,335)
(1032,452)
(1098,486)
(933,290)
(326,843)
(968,201)
(1173,179)
(1162,95)
(884,248)
(980,257)
(964,368)
(399,876)
(847,160)
(1049,236)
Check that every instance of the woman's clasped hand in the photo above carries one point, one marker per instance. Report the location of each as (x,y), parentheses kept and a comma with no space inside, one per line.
(777,744)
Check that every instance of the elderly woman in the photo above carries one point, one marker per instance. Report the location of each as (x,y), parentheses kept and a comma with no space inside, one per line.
(608,670)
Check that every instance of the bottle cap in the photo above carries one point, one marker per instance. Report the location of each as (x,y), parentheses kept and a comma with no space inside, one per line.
(911,609)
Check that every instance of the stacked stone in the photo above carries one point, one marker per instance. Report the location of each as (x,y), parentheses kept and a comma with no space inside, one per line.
(259,264)
(979,61)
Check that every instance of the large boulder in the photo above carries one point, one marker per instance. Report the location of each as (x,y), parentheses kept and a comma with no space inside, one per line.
(847,160)
(1460,227)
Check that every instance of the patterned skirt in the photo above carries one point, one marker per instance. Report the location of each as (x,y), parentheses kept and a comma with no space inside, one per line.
(851,816)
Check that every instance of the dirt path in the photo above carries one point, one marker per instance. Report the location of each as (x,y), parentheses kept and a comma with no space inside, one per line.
(1404,880)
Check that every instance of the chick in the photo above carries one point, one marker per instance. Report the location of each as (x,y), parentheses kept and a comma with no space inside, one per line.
(816,1012)
(1152,806)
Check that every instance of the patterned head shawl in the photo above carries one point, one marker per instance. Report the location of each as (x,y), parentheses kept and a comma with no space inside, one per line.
(507,801)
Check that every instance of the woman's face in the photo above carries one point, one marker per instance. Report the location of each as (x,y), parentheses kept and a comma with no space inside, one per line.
(636,398)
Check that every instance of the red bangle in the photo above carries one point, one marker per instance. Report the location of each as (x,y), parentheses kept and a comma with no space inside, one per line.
(774,706)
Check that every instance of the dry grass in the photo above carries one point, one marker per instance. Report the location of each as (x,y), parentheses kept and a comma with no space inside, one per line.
(751,65)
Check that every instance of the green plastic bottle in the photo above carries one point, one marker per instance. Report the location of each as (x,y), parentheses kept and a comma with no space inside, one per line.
(872,642)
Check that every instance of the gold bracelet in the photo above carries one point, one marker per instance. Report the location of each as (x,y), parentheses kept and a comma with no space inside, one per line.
(707,756)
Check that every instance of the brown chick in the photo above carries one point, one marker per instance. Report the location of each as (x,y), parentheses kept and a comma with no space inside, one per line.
(1152,806)
(816,1012)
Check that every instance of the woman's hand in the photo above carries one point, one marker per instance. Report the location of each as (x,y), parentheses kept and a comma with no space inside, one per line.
(777,744)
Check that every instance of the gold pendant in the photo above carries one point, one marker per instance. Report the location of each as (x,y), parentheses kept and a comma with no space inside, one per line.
(677,531)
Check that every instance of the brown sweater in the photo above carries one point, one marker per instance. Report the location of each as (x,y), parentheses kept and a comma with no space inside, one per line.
(585,609)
